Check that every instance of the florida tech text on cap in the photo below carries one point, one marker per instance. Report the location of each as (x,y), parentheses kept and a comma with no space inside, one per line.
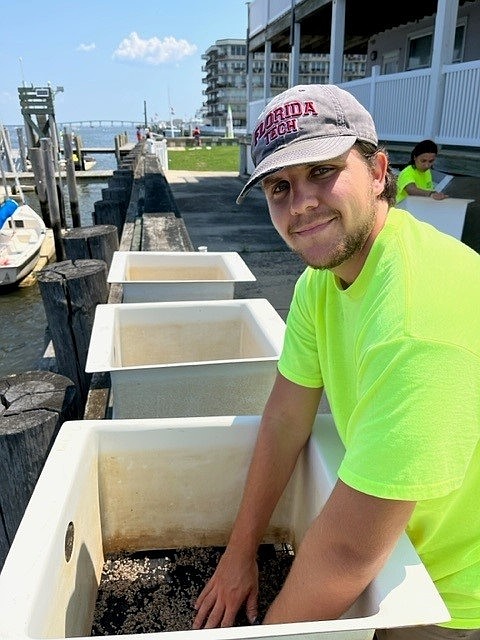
(307,123)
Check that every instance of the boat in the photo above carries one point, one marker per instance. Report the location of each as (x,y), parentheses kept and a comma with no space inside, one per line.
(22,233)
(87,163)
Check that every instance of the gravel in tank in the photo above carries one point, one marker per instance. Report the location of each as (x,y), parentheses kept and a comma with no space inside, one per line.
(154,591)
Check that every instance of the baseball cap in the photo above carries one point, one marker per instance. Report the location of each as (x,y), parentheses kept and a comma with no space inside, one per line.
(306,123)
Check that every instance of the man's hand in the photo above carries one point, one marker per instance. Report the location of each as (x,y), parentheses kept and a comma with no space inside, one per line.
(234,583)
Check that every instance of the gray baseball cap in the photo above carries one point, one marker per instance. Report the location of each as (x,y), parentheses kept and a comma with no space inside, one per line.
(306,123)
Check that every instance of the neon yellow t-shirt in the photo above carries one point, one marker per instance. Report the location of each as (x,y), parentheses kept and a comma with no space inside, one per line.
(398,354)
(422,179)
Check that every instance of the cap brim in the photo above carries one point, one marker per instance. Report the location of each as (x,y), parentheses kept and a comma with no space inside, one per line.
(300,152)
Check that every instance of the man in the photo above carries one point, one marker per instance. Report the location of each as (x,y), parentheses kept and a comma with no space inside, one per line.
(196,135)
(385,319)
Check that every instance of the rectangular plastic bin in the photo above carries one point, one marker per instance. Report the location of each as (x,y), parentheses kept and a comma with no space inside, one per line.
(127,485)
(187,358)
(156,276)
(446,215)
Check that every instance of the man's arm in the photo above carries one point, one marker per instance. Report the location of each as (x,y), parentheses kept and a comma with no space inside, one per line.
(342,552)
(285,428)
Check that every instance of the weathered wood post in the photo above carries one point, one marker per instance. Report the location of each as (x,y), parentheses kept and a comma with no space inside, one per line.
(7,146)
(70,292)
(22,148)
(36,158)
(33,407)
(79,152)
(119,142)
(52,195)
(98,243)
(4,180)
(109,212)
(71,180)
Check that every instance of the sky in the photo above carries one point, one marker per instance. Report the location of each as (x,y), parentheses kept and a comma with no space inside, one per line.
(112,57)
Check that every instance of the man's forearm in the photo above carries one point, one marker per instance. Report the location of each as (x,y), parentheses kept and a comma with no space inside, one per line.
(284,430)
(270,469)
(341,553)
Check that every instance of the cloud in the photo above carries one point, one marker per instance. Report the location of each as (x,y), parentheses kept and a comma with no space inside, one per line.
(153,50)
(86,47)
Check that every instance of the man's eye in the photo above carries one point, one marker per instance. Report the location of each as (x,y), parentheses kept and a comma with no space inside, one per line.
(280,186)
(321,171)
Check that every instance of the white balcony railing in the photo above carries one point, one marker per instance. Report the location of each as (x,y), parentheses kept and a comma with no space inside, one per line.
(399,105)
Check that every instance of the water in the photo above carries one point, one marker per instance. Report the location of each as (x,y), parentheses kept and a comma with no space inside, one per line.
(22,316)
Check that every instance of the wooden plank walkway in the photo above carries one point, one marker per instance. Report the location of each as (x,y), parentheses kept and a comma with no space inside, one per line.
(27,178)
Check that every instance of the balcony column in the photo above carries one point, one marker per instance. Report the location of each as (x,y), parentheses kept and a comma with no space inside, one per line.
(294,63)
(267,71)
(443,43)
(337,42)
(249,88)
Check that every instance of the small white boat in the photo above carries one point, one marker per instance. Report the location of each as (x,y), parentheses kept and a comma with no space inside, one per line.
(89,162)
(21,238)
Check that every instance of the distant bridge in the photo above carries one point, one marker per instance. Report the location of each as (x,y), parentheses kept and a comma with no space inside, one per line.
(101,123)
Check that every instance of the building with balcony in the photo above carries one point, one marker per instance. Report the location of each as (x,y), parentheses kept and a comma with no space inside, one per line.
(226,73)
(422,75)
(422,67)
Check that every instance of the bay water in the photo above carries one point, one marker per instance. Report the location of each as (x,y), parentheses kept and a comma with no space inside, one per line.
(23,334)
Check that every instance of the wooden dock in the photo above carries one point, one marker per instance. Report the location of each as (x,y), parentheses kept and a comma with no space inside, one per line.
(27,178)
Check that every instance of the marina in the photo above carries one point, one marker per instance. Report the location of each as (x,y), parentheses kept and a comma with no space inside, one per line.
(25,334)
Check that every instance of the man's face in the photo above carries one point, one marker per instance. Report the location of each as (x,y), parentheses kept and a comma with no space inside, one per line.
(327,211)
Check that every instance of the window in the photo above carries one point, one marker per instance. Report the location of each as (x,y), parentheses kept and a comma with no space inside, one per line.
(419,51)
(238,50)
(419,48)
(459,42)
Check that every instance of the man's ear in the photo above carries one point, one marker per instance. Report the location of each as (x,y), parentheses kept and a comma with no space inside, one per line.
(379,172)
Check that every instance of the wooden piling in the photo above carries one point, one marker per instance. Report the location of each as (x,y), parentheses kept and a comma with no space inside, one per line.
(79,152)
(71,180)
(117,149)
(98,243)
(36,158)
(33,406)
(52,195)
(109,212)
(22,148)
(70,292)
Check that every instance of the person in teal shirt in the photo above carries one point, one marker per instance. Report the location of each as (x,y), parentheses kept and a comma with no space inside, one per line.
(416,178)
(384,320)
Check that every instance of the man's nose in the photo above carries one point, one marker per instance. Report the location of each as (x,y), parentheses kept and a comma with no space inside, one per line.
(304,199)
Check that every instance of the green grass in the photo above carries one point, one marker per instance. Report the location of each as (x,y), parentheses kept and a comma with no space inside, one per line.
(205,158)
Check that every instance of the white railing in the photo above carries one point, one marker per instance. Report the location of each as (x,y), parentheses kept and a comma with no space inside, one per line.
(460,122)
(399,105)
(397,102)
(159,149)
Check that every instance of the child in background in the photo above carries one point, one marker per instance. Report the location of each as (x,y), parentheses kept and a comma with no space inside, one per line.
(416,178)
